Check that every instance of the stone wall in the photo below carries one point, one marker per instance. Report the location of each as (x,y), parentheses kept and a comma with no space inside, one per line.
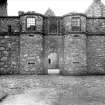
(27,52)
(96,54)
(9,54)
(52,25)
(75,54)
(31,54)
(7,21)
(96,25)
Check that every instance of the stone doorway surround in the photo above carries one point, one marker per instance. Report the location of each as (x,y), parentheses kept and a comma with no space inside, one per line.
(53,63)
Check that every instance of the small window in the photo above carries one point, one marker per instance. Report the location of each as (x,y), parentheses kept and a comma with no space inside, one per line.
(52,25)
(31,35)
(75,23)
(76,35)
(31,24)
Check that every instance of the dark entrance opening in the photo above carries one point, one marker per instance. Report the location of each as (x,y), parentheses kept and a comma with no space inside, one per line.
(49,61)
(53,64)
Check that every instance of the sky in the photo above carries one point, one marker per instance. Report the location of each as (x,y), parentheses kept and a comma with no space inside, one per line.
(60,7)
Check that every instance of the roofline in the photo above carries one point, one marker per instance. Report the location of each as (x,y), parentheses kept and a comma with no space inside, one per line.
(32,14)
(9,16)
(95,17)
(53,16)
(73,14)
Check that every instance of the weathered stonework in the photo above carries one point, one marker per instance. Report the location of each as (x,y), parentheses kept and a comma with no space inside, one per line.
(31,50)
(9,54)
(67,22)
(14,22)
(96,25)
(96,54)
(75,54)
(39,22)
(74,44)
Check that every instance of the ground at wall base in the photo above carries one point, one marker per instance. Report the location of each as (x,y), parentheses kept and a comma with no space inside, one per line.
(69,90)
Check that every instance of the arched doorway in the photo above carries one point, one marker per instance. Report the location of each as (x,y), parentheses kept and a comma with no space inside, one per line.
(53,63)
(52,60)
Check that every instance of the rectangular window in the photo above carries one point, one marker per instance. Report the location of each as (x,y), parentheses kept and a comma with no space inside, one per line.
(76,24)
(52,25)
(31,24)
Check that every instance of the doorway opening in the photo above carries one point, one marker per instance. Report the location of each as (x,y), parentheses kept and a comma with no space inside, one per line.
(49,61)
(53,63)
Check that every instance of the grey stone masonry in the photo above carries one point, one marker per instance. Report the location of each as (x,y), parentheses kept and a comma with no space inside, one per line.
(31,54)
(9,54)
(73,44)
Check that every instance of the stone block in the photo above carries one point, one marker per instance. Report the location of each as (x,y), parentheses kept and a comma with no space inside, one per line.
(5,53)
(4,58)
(2,64)
(2,48)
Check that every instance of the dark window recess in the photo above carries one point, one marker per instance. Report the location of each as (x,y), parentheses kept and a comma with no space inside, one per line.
(31,35)
(31,63)
(9,29)
(76,35)
(20,27)
(52,24)
(76,62)
(76,24)
(31,24)
(53,28)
